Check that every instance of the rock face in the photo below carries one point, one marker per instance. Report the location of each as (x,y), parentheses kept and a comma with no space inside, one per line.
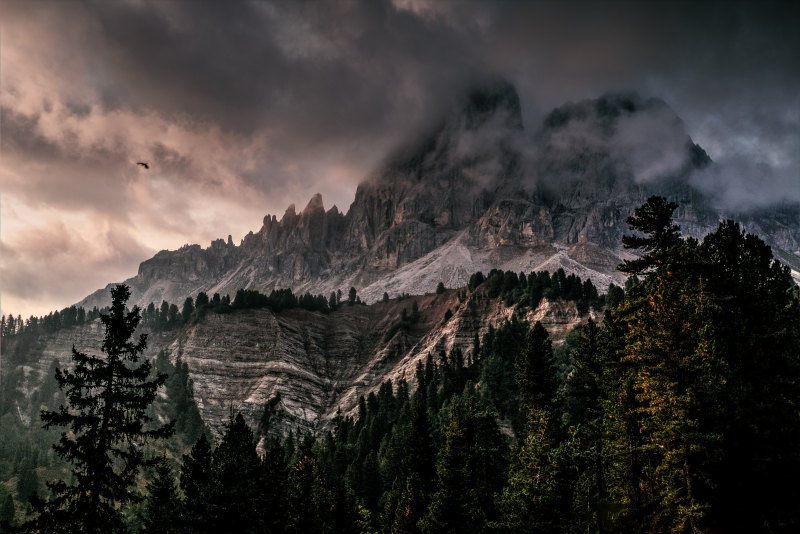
(320,364)
(475,193)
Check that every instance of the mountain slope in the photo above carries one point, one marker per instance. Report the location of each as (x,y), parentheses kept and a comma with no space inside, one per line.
(319,364)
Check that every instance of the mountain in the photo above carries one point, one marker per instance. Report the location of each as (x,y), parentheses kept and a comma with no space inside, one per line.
(475,193)
(319,364)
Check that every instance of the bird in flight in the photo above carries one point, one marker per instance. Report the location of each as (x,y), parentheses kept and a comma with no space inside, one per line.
(143,164)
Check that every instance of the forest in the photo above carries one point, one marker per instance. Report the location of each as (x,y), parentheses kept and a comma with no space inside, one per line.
(678,411)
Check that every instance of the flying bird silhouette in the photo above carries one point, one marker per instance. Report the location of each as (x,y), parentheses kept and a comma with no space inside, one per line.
(143,164)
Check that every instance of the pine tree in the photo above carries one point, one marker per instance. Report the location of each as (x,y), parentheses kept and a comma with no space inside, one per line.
(529,503)
(678,379)
(276,483)
(534,499)
(7,512)
(585,389)
(757,332)
(187,310)
(309,498)
(654,219)
(161,504)
(196,479)
(470,471)
(449,509)
(236,500)
(536,372)
(107,398)
(409,496)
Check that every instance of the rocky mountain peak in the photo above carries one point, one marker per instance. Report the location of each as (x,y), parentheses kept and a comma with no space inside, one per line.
(315,204)
(609,108)
(289,214)
(618,137)
(489,99)
(474,193)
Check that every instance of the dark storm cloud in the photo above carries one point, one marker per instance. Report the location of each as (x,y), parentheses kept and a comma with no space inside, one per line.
(319,70)
(728,69)
(354,77)
(244,107)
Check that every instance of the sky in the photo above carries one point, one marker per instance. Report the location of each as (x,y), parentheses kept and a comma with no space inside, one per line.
(242,108)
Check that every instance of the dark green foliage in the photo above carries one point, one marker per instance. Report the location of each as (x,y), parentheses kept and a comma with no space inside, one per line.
(351,296)
(757,332)
(654,219)
(470,470)
(7,511)
(536,371)
(107,423)
(614,296)
(196,484)
(529,290)
(676,413)
(28,479)
(168,317)
(310,500)
(202,301)
(181,407)
(498,355)
(161,503)
(404,323)
(188,309)
(235,493)
(475,280)
(275,498)
(439,288)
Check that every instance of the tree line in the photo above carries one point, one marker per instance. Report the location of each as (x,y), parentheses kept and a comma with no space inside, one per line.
(677,413)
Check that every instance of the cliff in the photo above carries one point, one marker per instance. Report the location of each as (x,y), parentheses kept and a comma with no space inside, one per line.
(319,364)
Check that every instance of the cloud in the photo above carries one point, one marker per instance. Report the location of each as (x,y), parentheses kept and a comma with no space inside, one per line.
(243,108)
(61,259)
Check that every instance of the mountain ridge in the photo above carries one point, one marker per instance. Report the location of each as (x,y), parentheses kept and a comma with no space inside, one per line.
(477,189)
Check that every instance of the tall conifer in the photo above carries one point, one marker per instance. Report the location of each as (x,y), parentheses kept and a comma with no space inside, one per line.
(107,424)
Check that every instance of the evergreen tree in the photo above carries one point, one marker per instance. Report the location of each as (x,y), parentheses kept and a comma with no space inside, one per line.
(276,482)
(654,219)
(536,372)
(449,510)
(7,512)
(201,301)
(161,504)
(678,382)
(310,500)
(196,479)
(470,470)
(757,332)
(107,425)
(585,393)
(236,500)
(529,502)
(163,316)
(28,478)
(535,499)
(188,309)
